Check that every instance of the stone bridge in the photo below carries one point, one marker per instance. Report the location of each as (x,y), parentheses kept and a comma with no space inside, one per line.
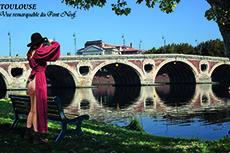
(79,71)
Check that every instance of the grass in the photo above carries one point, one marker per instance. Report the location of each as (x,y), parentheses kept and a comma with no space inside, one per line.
(99,138)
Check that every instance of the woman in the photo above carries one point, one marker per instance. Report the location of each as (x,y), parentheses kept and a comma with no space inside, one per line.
(38,55)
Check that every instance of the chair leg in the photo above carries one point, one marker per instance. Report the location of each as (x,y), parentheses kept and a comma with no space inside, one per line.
(60,136)
(14,124)
(79,132)
(62,133)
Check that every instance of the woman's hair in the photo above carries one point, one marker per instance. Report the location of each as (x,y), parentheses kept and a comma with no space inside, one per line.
(32,48)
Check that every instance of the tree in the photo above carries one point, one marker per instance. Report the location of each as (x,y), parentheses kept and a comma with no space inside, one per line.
(182,48)
(208,48)
(211,48)
(219,11)
(151,51)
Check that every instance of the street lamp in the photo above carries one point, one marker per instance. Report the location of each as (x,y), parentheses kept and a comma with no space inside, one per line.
(197,46)
(74,36)
(123,42)
(140,46)
(9,43)
(164,42)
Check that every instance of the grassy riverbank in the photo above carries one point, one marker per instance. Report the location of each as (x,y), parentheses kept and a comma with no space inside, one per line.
(99,138)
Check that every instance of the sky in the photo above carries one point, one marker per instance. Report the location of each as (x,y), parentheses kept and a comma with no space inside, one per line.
(146,25)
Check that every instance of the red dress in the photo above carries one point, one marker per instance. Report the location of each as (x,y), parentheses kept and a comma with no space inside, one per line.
(38,65)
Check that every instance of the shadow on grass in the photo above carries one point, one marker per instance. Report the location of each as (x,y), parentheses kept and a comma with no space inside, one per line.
(99,138)
(103,138)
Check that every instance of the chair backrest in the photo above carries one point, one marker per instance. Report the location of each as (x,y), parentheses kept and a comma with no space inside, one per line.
(54,108)
(21,104)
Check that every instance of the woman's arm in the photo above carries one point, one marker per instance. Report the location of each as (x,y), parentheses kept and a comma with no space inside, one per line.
(48,53)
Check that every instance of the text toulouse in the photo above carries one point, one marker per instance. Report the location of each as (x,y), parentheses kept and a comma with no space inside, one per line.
(18,6)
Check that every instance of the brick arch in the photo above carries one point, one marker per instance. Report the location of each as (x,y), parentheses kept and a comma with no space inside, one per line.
(223,75)
(163,63)
(67,68)
(5,76)
(215,66)
(137,72)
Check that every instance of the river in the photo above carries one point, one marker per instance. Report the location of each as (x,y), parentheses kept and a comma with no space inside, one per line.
(186,110)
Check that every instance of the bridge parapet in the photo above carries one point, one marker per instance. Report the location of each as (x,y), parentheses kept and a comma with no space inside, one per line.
(135,56)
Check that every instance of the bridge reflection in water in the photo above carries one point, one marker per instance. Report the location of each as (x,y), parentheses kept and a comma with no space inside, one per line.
(186,110)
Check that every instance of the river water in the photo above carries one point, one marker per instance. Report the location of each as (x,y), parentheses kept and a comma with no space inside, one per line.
(187,110)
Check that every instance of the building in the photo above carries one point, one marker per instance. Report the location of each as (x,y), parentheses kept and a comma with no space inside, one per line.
(98,47)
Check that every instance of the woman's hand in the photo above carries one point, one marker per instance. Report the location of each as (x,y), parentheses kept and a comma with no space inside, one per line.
(50,40)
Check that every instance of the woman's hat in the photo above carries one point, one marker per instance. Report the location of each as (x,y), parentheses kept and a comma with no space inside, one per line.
(35,39)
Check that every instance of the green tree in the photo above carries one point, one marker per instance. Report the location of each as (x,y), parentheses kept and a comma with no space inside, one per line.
(219,11)
(211,48)
(182,48)
(151,51)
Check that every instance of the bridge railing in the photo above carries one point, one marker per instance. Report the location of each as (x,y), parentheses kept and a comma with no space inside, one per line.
(130,56)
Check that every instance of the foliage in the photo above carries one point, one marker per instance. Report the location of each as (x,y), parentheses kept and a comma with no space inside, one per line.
(182,48)
(219,12)
(151,51)
(134,124)
(6,108)
(211,48)
(208,48)
(120,7)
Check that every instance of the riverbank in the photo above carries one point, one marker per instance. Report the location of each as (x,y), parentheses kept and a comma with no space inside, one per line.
(99,138)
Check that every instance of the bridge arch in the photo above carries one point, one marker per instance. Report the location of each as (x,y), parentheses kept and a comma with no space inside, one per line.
(124,73)
(220,73)
(4,79)
(60,75)
(179,71)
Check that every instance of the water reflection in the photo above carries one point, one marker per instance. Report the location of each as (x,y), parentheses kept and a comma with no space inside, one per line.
(66,95)
(176,94)
(173,110)
(222,90)
(112,97)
